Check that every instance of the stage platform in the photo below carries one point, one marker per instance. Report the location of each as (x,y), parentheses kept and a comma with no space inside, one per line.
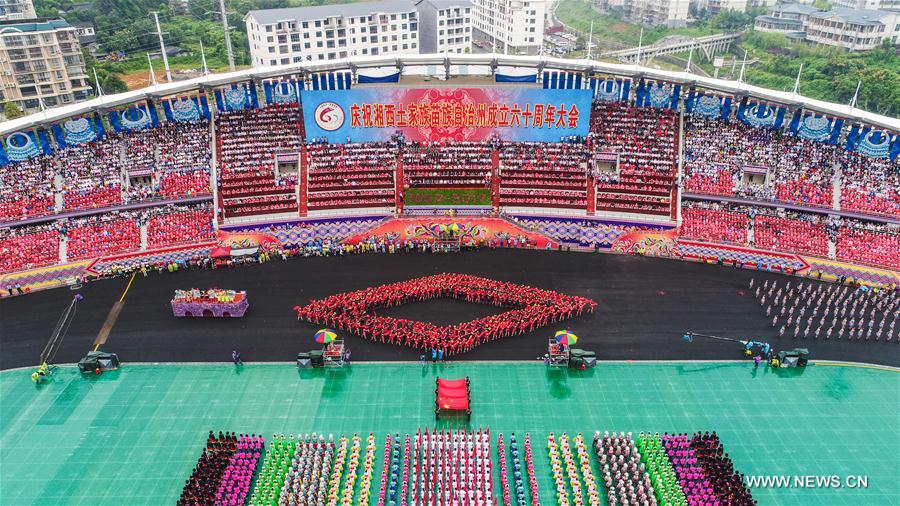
(132,436)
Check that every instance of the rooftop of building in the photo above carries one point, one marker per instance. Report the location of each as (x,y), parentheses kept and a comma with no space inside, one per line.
(856,16)
(447,4)
(795,8)
(270,16)
(783,21)
(32,25)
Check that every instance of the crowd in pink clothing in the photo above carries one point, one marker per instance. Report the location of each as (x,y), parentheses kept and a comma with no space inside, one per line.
(235,485)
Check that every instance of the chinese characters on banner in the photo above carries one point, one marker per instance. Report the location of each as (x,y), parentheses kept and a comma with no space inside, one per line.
(446,114)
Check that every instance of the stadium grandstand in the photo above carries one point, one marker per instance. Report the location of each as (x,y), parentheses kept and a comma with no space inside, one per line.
(523,198)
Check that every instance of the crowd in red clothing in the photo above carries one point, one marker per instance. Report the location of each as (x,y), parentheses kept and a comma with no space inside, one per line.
(530,308)
(102,235)
(868,243)
(26,188)
(710,223)
(27,247)
(173,228)
(247,144)
(537,174)
(645,139)
(870,185)
(351,175)
(805,235)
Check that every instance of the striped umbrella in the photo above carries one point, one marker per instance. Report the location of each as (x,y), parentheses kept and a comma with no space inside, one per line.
(325,336)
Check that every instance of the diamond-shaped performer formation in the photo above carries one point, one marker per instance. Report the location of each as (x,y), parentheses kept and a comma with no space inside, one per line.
(529,309)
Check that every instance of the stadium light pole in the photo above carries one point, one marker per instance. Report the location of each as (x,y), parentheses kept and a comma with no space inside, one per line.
(162,47)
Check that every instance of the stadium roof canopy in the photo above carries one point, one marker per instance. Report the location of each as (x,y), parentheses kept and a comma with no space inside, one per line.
(459,62)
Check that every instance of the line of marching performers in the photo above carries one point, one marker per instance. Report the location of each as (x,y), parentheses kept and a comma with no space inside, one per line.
(825,311)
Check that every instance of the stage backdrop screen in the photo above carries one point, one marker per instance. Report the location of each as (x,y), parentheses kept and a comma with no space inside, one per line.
(438,114)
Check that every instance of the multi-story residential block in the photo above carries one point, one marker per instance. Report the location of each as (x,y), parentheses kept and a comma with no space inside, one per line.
(329,32)
(41,60)
(445,26)
(11,10)
(511,25)
(852,29)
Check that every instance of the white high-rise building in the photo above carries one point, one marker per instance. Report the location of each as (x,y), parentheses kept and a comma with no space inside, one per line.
(445,26)
(511,24)
(329,32)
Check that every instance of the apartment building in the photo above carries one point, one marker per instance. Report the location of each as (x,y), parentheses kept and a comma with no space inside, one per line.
(445,26)
(511,25)
(40,60)
(853,29)
(872,5)
(12,10)
(329,32)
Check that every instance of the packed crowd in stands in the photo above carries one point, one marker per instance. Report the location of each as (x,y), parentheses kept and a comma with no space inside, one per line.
(437,165)
(543,175)
(791,232)
(870,185)
(180,225)
(867,243)
(856,241)
(713,222)
(183,159)
(645,139)
(26,188)
(91,174)
(530,308)
(800,171)
(27,247)
(247,143)
(103,234)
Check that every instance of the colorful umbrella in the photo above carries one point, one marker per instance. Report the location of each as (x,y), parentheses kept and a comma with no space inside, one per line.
(565,337)
(454,227)
(325,336)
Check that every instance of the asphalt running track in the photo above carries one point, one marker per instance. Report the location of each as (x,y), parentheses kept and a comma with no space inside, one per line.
(645,304)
